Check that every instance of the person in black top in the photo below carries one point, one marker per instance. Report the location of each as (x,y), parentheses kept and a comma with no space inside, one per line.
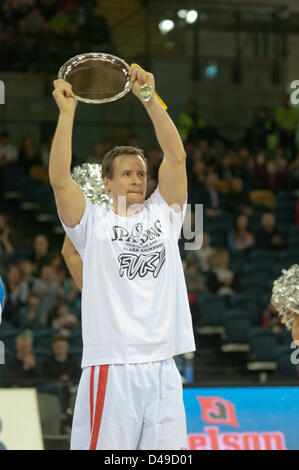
(23,369)
(269,237)
(61,367)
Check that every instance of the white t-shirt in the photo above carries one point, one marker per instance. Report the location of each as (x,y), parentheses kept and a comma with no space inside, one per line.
(10,152)
(134,300)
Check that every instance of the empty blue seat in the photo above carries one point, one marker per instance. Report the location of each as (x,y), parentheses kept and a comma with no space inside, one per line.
(247,303)
(284,362)
(8,336)
(43,338)
(211,310)
(75,338)
(285,338)
(285,196)
(42,354)
(262,343)
(76,353)
(236,328)
(293,241)
(245,311)
(218,238)
(289,257)
(238,260)
(293,230)
(224,221)
(259,266)
(257,255)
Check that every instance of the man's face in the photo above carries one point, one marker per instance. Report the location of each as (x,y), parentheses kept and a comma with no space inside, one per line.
(268,221)
(24,345)
(129,179)
(60,347)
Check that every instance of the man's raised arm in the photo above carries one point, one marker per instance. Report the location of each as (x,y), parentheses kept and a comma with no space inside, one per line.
(69,198)
(172,172)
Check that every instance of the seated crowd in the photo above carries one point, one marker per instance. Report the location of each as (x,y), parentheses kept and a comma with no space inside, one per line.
(40,25)
(239,187)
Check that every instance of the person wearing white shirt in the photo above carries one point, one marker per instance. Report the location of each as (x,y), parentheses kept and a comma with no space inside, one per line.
(135,311)
(8,152)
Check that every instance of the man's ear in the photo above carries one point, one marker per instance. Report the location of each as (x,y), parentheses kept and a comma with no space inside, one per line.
(106,183)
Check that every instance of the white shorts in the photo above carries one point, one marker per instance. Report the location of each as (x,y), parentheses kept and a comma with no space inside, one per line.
(130,407)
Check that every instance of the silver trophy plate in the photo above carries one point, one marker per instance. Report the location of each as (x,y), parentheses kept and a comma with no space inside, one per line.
(97,77)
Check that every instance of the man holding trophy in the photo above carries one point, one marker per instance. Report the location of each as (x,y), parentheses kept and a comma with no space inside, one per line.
(135,310)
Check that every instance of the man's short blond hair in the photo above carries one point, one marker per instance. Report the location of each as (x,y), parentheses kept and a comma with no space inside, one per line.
(107,163)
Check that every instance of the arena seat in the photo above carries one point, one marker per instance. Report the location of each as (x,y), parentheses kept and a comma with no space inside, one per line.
(211,310)
(50,414)
(284,362)
(266,255)
(237,325)
(76,353)
(75,338)
(43,338)
(249,304)
(42,354)
(8,336)
(262,346)
(285,195)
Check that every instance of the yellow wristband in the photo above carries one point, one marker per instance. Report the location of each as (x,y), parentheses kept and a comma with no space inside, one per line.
(160,99)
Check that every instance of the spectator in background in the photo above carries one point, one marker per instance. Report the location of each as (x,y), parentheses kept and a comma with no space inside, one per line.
(293,171)
(35,21)
(274,176)
(61,23)
(48,289)
(270,319)
(258,135)
(241,238)
(71,293)
(40,254)
(154,161)
(17,293)
(45,152)
(225,168)
(23,369)
(48,8)
(212,200)
(286,118)
(56,262)
(62,318)
(8,151)
(97,154)
(269,237)
(222,279)
(26,268)
(205,152)
(197,175)
(28,154)
(7,250)
(62,368)
(31,316)
(205,255)
(237,199)
(195,281)
(189,122)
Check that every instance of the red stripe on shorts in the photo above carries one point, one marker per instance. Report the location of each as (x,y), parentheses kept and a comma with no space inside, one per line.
(99,406)
(91,395)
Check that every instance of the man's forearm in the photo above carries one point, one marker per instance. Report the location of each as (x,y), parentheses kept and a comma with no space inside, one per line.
(167,134)
(61,151)
(295,329)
